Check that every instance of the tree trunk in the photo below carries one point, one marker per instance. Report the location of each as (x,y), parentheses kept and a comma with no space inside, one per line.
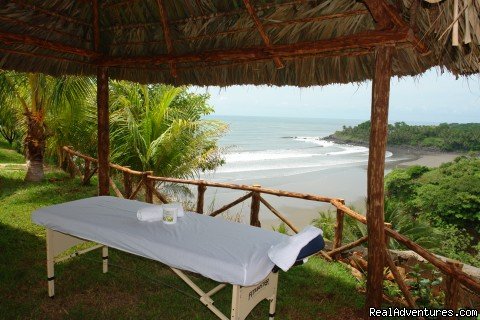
(35,146)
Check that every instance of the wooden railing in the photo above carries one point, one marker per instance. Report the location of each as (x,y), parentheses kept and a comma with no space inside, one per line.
(134,181)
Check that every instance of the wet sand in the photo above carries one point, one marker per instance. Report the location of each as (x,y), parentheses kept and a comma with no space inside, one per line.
(431,160)
(349,183)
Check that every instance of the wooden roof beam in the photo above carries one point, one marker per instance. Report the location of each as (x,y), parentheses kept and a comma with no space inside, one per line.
(9,38)
(204,17)
(96,27)
(269,25)
(266,40)
(387,16)
(43,56)
(19,22)
(397,19)
(382,20)
(166,35)
(362,40)
(49,12)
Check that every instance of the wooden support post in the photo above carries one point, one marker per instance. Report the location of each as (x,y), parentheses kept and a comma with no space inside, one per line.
(127,184)
(452,294)
(103,131)
(375,175)
(255,209)
(337,241)
(149,186)
(86,173)
(201,197)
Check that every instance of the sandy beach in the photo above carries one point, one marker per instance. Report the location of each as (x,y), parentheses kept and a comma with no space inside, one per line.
(349,183)
(430,160)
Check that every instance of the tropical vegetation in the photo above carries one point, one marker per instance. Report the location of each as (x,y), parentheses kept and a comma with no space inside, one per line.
(447,198)
(163,129)
(153,127)
(438,208)
(442,137)
(28,102)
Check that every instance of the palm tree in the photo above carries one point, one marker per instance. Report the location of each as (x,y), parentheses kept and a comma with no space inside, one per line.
(39,96)
(9,120)
(160,128)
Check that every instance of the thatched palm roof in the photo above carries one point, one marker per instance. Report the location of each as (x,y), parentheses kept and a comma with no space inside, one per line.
(212,42)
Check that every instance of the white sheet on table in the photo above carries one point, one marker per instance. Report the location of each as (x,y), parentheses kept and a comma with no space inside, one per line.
(213,247)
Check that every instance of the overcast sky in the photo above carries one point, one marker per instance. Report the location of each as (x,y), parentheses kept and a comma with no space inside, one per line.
(432,97)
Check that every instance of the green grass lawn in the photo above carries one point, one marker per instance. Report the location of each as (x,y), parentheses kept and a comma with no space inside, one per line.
(135,288)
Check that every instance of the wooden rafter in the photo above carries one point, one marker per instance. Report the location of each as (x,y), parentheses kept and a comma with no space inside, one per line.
(96,25)
(271,24)
(382,20)
(166,34)
(43,56)
(199,6)
(247,29)
(8,38)
(49,12)
(210,65)
(110,4)
(25,24)
(266,40)
(362,40)
(386,15)
(211,15)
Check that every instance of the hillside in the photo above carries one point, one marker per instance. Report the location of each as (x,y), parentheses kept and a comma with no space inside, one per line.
(447,198)
(448,137)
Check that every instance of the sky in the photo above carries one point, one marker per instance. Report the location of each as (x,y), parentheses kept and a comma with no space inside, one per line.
(429,98)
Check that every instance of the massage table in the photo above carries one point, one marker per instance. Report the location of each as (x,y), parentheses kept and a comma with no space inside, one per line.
(224,251)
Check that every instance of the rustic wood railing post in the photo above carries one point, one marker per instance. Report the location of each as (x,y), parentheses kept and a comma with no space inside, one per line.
(127,184)
(399,280)
(231,204)
(201,197)
(452,294)
(337,241)
(86,173)
(149,186)
(255,208)
(387,237)
(71,169)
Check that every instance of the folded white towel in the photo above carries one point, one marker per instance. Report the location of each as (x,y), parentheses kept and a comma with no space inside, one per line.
(150,213)
(285,253)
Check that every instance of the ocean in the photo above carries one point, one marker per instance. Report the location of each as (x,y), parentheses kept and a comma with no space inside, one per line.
(276,147)
(290,154)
